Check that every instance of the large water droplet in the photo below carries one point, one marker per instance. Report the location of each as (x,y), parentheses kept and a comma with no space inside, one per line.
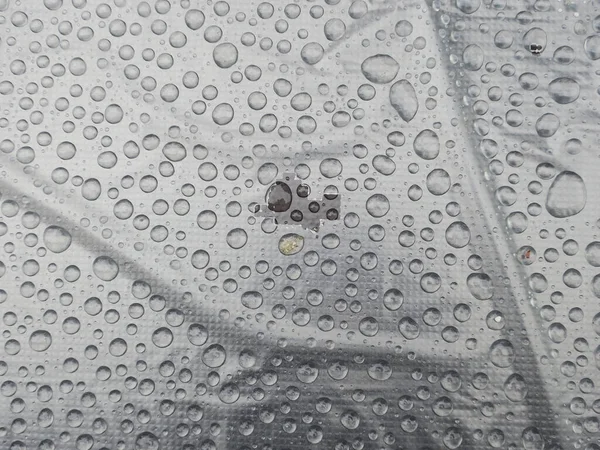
(458,234)
(214,356)
(592,253)
(427,144)
(480,286)
(147,441)
(591,46)
(535,40)
(197,334)
(468,6)
(564,90)
(567,195)
(532,439)
(473,57)
(547,125)
(290,244)
(380,68)
(57,239)
(279,197)
(403,99)
(237,238)
(312,53)
(225,55)
(40,340)
(515,388)
(252,299)
(502,353)
(378,205)
(174,151)
(105,268)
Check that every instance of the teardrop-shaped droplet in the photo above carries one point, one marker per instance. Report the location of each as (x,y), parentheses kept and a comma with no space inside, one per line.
(567,195)
(404,99)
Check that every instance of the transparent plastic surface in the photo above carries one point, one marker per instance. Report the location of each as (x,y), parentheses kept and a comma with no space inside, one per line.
(324,224)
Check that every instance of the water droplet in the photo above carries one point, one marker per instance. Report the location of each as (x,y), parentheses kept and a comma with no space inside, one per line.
(438,182)
(237,238)
(378,205)
(567,196)
(403,99)
(473,57)
(502,353)
(564,90)
(57,239)
(214,356)
(547,125)
(197,334)
(591,46)
(380,68)
(105,268)
(334,29)
(480,286)
(252,299)
(427,144)
(515,388)
(312,53)
(40,340)
(458,234)
(290,244)
(225,55)
(468,6)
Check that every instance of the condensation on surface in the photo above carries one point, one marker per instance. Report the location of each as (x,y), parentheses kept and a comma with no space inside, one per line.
(329,224)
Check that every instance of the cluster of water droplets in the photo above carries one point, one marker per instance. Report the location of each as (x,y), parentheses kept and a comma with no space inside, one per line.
(149,302)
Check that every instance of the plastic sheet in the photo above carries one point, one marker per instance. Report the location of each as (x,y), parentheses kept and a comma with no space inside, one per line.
(318,224)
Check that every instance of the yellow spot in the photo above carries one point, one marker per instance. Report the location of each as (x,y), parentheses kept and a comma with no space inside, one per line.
(291,244)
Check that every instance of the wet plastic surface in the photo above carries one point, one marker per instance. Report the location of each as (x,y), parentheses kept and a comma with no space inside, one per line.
(317,224)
